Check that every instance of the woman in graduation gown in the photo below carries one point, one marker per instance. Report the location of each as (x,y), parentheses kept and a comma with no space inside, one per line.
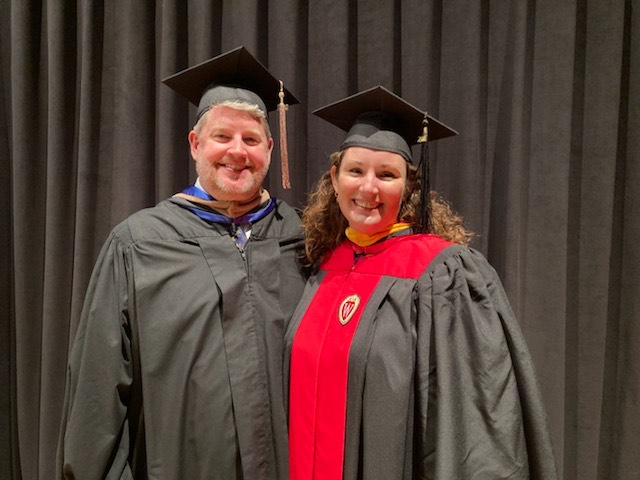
(404,357)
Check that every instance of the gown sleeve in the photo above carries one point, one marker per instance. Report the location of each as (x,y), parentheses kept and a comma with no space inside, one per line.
(479,413)
(94,434)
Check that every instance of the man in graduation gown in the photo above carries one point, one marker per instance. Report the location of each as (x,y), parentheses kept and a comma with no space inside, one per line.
(176,371)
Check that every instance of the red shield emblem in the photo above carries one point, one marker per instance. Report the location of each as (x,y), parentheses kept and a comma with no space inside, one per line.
(347,308)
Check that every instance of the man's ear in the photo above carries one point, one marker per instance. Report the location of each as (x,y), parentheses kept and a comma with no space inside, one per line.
(194,143)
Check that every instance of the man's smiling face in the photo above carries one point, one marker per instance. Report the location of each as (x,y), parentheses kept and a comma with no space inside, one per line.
(232,154)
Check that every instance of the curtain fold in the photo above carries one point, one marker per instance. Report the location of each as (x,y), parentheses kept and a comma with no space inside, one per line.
(545,96)
(8,427)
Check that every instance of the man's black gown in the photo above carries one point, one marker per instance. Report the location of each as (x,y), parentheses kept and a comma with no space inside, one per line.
(177,364)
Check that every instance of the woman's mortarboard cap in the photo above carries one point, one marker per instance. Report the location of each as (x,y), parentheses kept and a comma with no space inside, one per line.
(380,120)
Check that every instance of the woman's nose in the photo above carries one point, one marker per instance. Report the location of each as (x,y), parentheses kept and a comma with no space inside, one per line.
(369,183)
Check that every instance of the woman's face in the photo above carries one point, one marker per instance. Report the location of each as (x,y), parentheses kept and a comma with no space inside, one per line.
(370,185)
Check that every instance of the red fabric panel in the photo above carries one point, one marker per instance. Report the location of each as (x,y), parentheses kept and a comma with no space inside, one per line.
(404,256)
(319,368)
(320,352)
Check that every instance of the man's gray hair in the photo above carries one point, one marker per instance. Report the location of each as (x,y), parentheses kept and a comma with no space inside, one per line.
(250,108)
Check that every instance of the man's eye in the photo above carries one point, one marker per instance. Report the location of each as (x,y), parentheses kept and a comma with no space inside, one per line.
(251,141)
(221,136)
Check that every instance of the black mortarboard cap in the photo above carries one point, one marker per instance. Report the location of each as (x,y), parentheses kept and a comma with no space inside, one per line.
(380,120)
(234,75)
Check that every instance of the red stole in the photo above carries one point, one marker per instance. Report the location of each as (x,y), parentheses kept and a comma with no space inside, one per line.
(320,352)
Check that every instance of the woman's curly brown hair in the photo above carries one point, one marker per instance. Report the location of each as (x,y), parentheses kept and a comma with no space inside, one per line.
(324,225)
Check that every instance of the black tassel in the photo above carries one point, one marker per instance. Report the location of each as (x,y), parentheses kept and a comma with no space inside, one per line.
(424,224)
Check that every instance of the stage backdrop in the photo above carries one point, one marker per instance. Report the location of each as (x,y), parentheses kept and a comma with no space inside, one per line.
(545,95)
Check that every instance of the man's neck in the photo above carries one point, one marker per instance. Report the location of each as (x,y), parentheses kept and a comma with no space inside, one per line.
(229,208)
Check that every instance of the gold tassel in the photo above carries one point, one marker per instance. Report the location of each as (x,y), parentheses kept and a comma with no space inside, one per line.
(284,156)
(425,132)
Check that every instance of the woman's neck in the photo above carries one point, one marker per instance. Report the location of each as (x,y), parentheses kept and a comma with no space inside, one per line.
(366,239)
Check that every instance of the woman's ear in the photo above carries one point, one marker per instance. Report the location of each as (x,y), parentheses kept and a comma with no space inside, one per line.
(408,189)
(334,178)
(409,183)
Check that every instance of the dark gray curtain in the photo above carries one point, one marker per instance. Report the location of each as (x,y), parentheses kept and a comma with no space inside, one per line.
(545,94)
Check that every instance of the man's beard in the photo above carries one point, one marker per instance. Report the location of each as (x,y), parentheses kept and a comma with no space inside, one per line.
(228,190)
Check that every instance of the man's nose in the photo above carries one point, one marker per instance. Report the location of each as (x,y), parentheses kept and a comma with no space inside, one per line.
(237,147)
